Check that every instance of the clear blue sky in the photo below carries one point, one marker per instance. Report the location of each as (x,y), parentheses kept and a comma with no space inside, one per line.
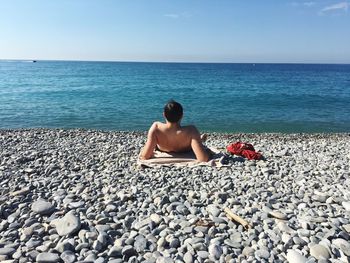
(176,30)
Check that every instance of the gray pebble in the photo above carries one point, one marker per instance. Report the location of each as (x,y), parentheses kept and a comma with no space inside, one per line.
(319,251)
(42,207)
(68,256)
(47,257)
(67,225)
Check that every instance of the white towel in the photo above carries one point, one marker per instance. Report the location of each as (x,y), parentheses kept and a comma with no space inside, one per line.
(182,159)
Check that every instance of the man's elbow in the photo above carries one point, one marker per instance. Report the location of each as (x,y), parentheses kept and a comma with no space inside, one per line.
(204,158)
(145,157)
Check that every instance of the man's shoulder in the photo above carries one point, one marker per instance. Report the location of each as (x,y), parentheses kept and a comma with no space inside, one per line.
(156,125)
(190,128)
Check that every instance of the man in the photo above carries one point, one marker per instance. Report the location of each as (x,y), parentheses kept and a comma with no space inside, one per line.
(172,137)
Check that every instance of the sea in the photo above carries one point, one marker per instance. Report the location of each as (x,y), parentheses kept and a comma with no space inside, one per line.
(130,96)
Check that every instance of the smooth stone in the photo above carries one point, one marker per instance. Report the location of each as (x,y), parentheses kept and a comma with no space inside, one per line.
(164,260)
(90,258)
(97,245)
(346,205)
(140,224)
(156,218)
(343,245)
(286,238)
(232,243)
(174,243)
(267,209)
(100,260)
(140,244)
(42,207)
(32,254)
(283,227)
(102,238)
(248,251)
(236,237)
(203,254)
(347,228)
(81,246)
(215,251)
(129,251)
(278,215)
(7,251)
(303,232)
(161,242)
(47,257)
(102,228)
(262,253)
(319,251)
(76,204)
(17,254)
(23,191)
(214,210)
(33,243)
(295,257)
(68,256)
(115,251)
(67,225)
(188,257)
(64,246)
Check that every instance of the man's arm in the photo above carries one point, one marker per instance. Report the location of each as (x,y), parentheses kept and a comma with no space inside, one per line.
(151,143)
(197,146)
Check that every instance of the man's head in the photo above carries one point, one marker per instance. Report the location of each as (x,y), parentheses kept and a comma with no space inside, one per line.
(173,111)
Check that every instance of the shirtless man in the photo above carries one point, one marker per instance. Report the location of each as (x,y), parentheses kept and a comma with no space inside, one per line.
(172,137)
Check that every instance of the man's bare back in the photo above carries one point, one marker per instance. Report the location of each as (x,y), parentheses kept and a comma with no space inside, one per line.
(171,137)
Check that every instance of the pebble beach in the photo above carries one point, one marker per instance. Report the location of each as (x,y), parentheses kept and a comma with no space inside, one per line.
(79,196)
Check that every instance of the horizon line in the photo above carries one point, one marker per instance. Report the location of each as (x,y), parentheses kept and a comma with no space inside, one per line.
(173,62)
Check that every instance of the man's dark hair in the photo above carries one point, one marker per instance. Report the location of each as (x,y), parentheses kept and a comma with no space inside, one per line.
(173,111)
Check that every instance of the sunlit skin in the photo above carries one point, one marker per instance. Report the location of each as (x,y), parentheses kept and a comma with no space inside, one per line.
(172,137)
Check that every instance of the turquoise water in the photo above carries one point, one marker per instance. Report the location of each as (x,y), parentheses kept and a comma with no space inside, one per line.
(216,97)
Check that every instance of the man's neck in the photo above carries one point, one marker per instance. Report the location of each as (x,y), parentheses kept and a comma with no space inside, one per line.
(173,125)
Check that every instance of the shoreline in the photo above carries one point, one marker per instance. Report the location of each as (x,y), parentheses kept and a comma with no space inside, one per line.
(77,195)
(145,131)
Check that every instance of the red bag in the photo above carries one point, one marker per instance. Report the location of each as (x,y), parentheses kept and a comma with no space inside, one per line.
(244,149)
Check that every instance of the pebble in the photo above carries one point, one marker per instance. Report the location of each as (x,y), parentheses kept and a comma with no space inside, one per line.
(343,245)
(23,191)
(278,215)
(188,257)
(294,256)
(262,254)
(203,254)
(68,256)
(285,228)
(129,251)
(319,251)
(155,218)
(140,244)
(7,251)
(67,225)
(215,251)
(115,251)
(346,205)
(42,207)
(248,251)
(47,257)
(214,210)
